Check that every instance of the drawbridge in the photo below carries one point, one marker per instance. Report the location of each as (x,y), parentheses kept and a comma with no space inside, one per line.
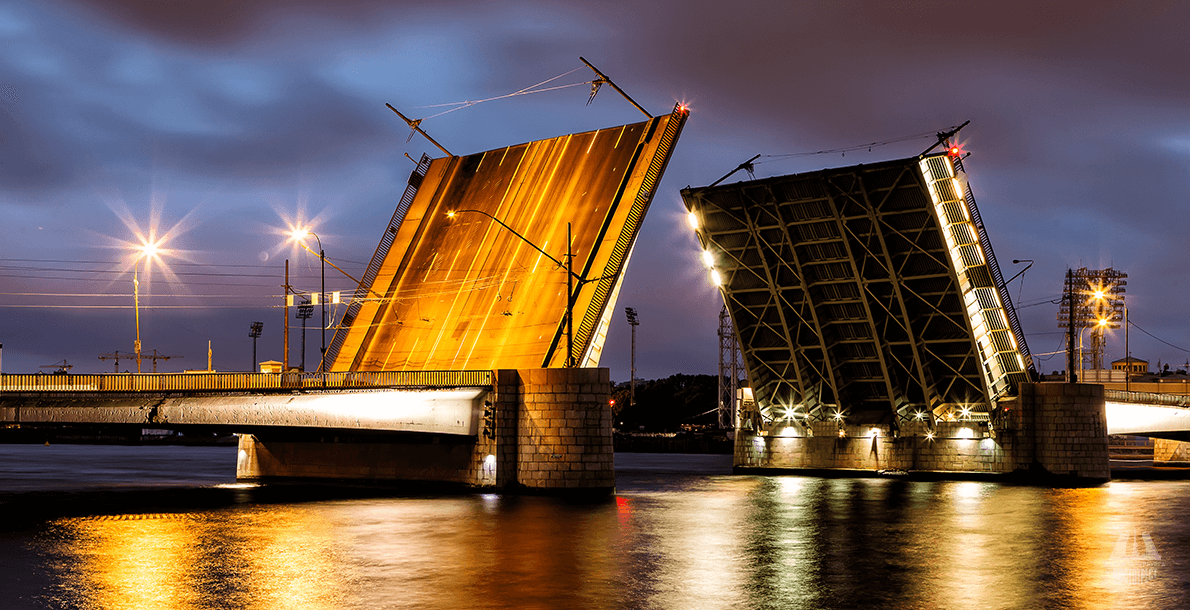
(867,293)
(487,253)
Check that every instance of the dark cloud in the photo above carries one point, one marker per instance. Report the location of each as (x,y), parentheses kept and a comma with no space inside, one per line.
(1080,137)
(219,24)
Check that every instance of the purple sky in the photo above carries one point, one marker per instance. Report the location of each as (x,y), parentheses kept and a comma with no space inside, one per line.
(231,117)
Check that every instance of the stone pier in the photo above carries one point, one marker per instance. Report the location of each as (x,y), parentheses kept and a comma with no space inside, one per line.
(540,430)
(1050,431)
(1170,452)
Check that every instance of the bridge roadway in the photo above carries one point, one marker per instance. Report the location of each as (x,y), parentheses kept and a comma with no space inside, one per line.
(1148,414)
(432,402)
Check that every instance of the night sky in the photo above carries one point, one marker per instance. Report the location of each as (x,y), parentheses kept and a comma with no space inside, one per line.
(218,124)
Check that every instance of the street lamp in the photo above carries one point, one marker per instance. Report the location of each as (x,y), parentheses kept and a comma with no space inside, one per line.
(571,276)
(1099,326)
(298,236)
(146,250)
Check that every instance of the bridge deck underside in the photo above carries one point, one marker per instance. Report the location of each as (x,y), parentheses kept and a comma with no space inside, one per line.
(1143,419)
(842,293)
(454,411)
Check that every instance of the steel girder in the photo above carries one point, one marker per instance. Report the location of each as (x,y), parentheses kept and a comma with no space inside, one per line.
(843,294)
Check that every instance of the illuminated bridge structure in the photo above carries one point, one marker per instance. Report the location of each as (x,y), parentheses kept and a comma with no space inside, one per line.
(867,293)
(469,353)
(543,429)
(877,333)
(433,402)
(1152,414)
(467,273)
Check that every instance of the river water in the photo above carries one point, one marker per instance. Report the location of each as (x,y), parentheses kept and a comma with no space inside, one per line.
(166,527)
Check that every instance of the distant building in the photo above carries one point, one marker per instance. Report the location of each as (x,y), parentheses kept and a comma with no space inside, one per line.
(1131,365)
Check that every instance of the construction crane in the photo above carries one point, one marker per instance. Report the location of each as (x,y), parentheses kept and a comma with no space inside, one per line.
(117,357)
(60,368)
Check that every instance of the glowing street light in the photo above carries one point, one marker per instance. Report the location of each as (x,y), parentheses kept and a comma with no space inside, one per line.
(147,250)
(1100,325)
(298,236)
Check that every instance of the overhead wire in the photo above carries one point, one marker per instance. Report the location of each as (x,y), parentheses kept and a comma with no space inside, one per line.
(847,149)
(526,91)
(1137,327)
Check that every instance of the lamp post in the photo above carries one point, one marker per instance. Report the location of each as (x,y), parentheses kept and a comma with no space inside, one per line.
(1100,324)
(571,276)
(147,250)
(298,236)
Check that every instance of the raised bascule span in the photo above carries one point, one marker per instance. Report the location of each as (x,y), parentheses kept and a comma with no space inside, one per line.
(467,274)
(877,332)
(869,292)
(469,353)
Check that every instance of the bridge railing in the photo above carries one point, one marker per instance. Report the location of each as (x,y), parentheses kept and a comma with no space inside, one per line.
(1151,398)
(197,382)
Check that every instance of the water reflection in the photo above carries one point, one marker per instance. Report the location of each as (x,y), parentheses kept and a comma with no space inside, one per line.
(664,542)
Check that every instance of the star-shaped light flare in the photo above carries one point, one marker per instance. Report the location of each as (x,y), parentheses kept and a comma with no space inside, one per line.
(148,247)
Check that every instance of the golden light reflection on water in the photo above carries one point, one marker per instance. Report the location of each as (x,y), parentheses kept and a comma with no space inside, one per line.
(696,548)
(710,542)
(292,555)
(135,562)
(283,557)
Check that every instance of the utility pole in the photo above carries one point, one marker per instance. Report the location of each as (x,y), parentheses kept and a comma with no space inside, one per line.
(285,315)
(254,332)
(322,297)
(569,301)
(633,322)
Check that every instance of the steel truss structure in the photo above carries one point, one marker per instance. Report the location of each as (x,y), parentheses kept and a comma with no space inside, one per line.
(729,373)
(867,294)
(1096,297)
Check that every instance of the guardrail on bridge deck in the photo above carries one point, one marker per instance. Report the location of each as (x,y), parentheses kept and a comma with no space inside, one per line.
(198,382)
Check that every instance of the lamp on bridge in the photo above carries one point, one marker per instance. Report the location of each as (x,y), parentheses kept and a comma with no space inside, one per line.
(298,236)
(571,276)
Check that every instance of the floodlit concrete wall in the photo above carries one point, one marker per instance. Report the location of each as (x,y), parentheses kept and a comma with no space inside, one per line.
(1048,429)
(564,437)
(1165,451)
(1070,428)
(955,447)
(545,430)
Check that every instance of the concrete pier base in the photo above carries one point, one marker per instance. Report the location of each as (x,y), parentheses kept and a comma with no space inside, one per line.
(541,430)
(1049,432)
(1167,452)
